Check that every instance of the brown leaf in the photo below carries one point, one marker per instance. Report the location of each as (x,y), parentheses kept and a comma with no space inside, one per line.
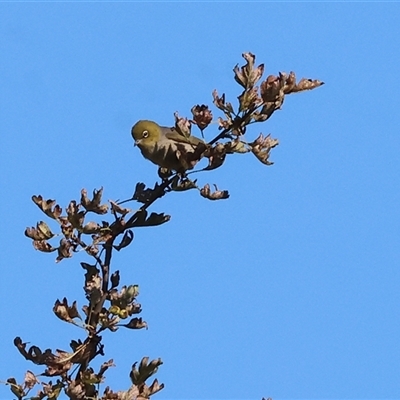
(76,390)
(94,204)
(145,370)
(217,195)
(307,84)
(236,146)
(65,250)
(91,227)
(154,219)
(271,89)
(182,125)
(67,229)
(16,389)
(135,323)
(225,124)
(115,278)
(50,390)
(143,194)
(30,380)
(90,378)
(93,283)
(43,246)
(155,387)
(249,100)
(219,102)
(202,116)
(49,207)
(164,173)
(117,209)
(41,232)
(109,321)
(64,311)
(290,82)
(75,217)
(216,156)
(248,75)
(126,240)
(262,146)
(104,367)
(34,353)
(83,352)
(180,184)
(131,394)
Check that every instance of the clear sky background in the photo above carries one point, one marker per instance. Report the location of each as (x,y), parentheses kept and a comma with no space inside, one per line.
(288,289)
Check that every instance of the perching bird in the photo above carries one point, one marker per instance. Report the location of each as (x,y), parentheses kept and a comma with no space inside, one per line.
(166,147)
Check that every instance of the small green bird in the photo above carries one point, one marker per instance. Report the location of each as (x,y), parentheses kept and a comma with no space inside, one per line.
(166,147)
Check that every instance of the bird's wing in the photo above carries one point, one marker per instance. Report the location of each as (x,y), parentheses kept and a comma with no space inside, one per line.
(173,134)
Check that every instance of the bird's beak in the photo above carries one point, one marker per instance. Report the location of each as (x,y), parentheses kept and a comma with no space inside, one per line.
(136,142)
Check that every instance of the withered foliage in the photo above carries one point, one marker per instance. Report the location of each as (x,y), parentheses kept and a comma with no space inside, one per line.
(98,228)
(258,100)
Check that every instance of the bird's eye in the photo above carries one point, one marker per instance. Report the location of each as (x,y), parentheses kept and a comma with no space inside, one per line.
(145,134)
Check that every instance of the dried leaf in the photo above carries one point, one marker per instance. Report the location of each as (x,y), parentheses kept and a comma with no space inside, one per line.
(249,99)
(217,195)
(117,209)
(225,124)
(182,125)
(131,394)
(76,390)
(91,228)
(104,367)
(304,84)
(94,204)
(290,82)
(65,249)
(30,380)
(43,246)
(93,283)
(262,146)
(271,89)
(181,184)
(16,389)
(248,75)
(135,323)
(143,194)
(145,370)
(67,229)
(236,146)
(126,240)
(88,377)
(51,391)
(155,387)
(164,173)
(65,312)
(57,363)
(75,217)
(115,278)
(216,156)
(49,207)
(202,116)
(154,219)
(41,232)
(219,102)
(92,250)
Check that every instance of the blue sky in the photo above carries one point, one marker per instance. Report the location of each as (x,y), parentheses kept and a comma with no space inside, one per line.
(289,289)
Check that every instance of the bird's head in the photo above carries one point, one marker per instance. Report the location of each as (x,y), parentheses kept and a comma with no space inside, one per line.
(146,133)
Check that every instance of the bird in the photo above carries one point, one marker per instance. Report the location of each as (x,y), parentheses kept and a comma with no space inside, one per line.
(167,147)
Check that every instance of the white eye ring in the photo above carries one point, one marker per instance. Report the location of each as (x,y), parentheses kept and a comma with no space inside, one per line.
(145,134)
